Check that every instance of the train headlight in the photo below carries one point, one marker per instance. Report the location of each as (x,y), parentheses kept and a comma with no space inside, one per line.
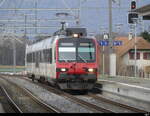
(90,70)
(75,35)
(63,69)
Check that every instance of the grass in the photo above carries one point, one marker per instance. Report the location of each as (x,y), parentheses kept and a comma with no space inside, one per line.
(4,68)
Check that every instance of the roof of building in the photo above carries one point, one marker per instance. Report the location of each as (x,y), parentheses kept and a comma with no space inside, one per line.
(142,44)
(143,9)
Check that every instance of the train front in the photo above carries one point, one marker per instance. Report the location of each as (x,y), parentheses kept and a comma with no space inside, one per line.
(77,63)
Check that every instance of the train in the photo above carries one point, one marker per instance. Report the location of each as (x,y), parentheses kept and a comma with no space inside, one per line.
(69,60)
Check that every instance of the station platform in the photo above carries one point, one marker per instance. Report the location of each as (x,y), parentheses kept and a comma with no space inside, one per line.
(1,109)
(133,87)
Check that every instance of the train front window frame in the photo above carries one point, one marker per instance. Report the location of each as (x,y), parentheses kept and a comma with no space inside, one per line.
(76,50)
(86,54)
(67,54)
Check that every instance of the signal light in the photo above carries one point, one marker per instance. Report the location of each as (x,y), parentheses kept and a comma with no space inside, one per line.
(133,5)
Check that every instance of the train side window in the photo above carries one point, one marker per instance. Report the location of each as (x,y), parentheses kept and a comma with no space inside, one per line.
(50,56)
(37,59)
(40,56)
(54,54)
(47,55)
(29,58)
(34,57)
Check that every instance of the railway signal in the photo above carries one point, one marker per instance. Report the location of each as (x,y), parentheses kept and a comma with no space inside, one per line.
(132,16)
(133,5)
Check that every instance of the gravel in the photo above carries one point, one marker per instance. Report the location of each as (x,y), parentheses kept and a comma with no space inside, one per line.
(21,99)
(50,98)
(104,104)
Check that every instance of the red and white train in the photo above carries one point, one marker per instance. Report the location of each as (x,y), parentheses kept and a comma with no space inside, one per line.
(70,60)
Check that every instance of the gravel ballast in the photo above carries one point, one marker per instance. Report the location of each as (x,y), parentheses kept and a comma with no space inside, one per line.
(50,98)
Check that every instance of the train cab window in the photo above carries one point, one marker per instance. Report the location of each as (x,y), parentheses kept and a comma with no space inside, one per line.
(86,52)
(67,51)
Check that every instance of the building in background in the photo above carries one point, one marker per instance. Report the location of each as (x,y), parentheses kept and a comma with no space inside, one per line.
(125,57)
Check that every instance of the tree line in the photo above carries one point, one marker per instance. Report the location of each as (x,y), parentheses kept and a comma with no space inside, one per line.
(6,51)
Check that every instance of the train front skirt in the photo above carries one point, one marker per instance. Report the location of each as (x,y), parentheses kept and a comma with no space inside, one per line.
(77,82)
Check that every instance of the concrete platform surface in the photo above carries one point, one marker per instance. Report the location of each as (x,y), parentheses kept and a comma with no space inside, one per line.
(129,81)
(137,88)
(1,109)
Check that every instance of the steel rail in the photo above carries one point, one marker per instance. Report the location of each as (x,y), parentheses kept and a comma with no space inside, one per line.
(11,102)
(40,102)
(76,100)
(101,98)
(47,107)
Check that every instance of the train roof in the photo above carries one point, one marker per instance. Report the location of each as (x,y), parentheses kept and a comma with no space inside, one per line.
(44,44)
(47,43)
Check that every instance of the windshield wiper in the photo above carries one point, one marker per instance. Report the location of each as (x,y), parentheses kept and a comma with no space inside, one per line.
(63,58)
(82,58)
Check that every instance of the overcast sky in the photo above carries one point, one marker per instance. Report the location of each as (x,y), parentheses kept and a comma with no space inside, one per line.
(94,14)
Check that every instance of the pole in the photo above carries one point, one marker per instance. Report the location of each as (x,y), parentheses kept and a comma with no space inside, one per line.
(112,55)
(25,26)
(14,56)
(79,13)
(103,61)
(110,33)
(135,51)
(36,16)
(110,20)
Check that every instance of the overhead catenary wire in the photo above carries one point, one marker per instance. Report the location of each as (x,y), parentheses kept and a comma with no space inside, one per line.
(2,2)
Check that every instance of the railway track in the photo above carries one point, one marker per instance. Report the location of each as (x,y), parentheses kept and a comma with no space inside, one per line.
(101,98)
(92,106)
(74,99)
(88,105)
(12,104)
(43,106)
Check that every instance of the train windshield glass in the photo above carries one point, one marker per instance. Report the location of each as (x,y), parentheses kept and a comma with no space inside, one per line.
(86,52)
(81,50)
(67,52)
